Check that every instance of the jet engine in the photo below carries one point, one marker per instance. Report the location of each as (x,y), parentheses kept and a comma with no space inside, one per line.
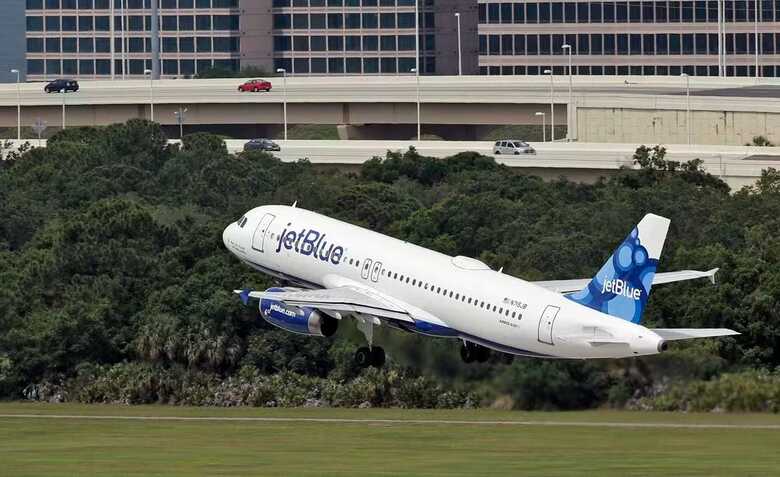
(301,320)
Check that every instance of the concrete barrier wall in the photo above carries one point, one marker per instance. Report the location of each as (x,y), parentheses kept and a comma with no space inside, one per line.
(671,127)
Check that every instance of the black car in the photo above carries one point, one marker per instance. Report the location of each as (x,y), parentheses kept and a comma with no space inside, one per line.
(62,85)
(261,145)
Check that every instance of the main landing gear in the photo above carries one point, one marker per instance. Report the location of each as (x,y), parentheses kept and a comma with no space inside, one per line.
(472,352)
(374,356)
(369,355)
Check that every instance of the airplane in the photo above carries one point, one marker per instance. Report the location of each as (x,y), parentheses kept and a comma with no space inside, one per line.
(330,270)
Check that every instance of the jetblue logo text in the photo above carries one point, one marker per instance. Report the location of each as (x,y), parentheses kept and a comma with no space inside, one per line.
(620,287)
(310,243)
(280,309)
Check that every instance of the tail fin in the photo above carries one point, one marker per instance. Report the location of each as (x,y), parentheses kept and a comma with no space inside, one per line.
(622,286)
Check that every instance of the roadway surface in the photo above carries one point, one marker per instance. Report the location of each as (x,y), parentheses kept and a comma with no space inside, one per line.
(737,165)
(740,93)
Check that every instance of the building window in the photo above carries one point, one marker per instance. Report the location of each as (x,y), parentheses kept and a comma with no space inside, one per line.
(34,23)
(35,45)
(52,23)
(52,45)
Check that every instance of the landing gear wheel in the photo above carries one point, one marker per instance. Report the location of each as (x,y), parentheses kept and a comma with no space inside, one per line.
(471,352)
(363,357)
(377,357)
(467,354)
(483,354)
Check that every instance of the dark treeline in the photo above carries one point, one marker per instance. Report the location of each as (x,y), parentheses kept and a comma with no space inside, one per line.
(116,286)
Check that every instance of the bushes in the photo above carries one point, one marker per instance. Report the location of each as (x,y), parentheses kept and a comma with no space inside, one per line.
(144,383)
(749,391)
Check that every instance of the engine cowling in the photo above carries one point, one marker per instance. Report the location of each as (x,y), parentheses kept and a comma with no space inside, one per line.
(301,320)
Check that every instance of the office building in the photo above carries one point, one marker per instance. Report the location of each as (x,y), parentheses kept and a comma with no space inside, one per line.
(77,38)
(73,38)
(80,38)
(12,56)
(629,37)
(372,36)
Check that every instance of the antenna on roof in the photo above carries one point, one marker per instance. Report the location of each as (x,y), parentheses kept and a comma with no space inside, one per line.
(295,204)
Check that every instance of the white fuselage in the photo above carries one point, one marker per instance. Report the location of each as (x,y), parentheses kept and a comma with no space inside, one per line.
(481,305)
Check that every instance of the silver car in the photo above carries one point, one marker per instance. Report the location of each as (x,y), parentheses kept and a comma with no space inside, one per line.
(512,146)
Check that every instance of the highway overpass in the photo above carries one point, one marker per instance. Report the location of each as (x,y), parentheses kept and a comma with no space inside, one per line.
(604,109)
(582,162)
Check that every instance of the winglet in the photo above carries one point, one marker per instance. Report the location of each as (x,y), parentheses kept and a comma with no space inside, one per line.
(244,294)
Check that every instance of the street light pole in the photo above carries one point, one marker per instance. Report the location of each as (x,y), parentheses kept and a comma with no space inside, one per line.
(460,51)
(18,106)
(151,93)
(544,125)
(284,80)
(552,104)
(64,93)
(687,103)
(419,135)
(180,119)
(570,109)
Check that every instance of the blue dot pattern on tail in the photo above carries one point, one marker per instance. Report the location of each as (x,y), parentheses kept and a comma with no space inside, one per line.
(622,286)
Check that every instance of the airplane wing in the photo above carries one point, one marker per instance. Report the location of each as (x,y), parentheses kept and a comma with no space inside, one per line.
(569,286)
(673,334)
(345,299)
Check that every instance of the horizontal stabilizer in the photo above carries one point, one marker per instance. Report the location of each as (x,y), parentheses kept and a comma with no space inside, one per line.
(576,284)
(673,334)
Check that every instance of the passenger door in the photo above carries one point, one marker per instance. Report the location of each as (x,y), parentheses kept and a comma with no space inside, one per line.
(546,322)
(258,239)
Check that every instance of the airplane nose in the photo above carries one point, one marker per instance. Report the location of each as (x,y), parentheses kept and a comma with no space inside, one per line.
(226,235)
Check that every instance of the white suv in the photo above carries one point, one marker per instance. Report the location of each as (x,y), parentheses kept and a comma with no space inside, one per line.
(513,146)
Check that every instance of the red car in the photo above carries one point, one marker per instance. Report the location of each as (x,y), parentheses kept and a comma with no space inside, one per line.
(256,85)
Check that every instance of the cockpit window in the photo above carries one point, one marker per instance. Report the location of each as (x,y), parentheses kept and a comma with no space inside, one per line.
(239,220)
(243,222)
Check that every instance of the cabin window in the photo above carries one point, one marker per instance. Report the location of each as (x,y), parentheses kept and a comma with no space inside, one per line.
(395,276)
(469,301)
(438,290)
(457,296)
(414,282)
(482,304)
(350,261)
(513,314)
(357,263)
(426,286)
(494,308)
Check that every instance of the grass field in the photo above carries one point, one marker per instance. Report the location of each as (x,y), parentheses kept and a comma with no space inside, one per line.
(378,442)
